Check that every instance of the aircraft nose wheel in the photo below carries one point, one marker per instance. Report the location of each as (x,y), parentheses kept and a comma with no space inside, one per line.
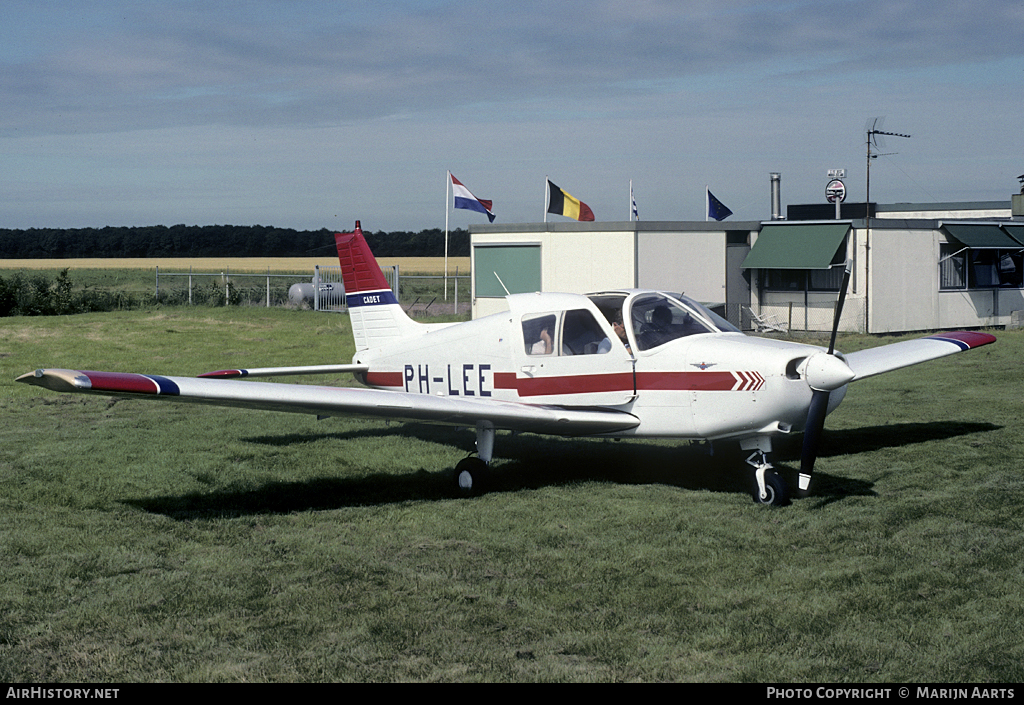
(769,487)
(776,491)
(470,477)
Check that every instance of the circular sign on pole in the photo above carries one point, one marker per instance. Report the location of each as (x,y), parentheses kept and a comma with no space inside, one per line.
(835,191)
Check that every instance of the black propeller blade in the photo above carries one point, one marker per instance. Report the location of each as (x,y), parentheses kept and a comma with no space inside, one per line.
(819,402)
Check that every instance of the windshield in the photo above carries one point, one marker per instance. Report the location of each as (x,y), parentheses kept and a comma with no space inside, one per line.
(658,319)
(720,323)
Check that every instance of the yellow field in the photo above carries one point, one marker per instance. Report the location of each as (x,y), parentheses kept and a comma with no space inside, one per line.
(409,265)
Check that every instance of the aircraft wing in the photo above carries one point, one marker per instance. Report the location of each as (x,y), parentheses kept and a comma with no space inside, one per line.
(874,361)
(337,401)
(282,371)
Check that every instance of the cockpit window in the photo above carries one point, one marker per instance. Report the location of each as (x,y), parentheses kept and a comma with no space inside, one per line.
(658,319)
(581,335)
(539,334)
(573,332)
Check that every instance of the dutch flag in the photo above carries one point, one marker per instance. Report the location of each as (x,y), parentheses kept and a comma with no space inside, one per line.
(465,199)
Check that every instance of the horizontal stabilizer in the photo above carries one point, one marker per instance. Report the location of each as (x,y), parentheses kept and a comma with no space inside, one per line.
(874,361)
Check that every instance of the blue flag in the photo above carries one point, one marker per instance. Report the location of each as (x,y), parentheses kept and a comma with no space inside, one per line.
(716,209)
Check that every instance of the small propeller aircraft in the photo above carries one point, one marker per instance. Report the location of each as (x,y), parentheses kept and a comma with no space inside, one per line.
(625,363)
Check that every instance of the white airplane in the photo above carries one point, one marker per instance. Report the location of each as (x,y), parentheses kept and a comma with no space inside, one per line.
(625,363)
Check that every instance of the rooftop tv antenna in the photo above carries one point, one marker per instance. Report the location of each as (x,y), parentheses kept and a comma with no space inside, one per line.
(876,138)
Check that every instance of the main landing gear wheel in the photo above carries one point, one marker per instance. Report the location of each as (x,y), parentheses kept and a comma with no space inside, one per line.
(470,476)
(775,488)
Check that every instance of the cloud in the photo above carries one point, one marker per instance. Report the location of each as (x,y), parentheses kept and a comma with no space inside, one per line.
(339,97)
(321,63)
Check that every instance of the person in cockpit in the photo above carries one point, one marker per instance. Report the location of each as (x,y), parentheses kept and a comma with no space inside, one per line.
(620,330)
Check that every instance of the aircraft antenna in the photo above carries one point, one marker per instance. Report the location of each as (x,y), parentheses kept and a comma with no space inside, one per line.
(507,292)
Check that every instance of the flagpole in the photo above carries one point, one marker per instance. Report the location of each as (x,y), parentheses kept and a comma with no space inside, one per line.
(447,183)
(631,200)
(547,195)
(707,204)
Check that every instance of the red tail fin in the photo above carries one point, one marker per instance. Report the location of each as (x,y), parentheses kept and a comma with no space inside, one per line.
(373,309)
(359,269)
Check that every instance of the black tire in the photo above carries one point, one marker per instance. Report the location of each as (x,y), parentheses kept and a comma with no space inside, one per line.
(470,477)
(776,488)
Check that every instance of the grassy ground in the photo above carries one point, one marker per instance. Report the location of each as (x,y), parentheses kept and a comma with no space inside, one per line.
(145,542)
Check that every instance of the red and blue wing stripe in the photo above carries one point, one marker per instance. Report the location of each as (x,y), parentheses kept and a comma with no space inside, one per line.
(964,339)
(128,383)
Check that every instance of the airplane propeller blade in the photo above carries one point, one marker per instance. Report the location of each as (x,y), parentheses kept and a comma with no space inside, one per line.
(824,373)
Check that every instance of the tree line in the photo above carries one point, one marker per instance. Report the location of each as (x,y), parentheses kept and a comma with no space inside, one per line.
(215,241)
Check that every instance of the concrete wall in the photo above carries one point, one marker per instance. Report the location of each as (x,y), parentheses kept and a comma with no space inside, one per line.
(980,307)
(689,262)
(903,280)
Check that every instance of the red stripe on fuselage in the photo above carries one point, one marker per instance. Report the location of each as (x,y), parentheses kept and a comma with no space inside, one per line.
(571,384)
(385,379)
(617,382)
(686,381)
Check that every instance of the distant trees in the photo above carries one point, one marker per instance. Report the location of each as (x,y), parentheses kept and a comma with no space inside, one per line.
(215,241)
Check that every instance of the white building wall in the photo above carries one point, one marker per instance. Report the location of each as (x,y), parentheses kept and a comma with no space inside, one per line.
(689,262)
(571,262)
(980,307)
(581,262)
(903,280)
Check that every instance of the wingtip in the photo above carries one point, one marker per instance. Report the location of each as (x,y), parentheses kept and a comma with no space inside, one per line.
(56,380)
(965,339)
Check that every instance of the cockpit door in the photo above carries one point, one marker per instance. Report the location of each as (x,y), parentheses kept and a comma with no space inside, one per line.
(572,357)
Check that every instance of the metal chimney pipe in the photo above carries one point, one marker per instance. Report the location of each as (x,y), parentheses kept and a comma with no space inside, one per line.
(776,179)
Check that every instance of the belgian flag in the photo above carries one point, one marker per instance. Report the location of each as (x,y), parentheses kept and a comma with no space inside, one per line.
(561,203)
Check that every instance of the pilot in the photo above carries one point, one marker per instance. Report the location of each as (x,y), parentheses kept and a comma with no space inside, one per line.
(661,317)
(657,331)
(620,330)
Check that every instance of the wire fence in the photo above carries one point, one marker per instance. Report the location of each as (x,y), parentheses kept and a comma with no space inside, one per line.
(321,291)
(432,295)
(811,318)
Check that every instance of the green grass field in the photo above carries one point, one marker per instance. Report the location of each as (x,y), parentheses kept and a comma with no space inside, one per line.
(157,542)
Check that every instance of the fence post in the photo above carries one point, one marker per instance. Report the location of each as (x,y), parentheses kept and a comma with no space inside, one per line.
(268,287)
(316,287)
(190,285)
(157,293)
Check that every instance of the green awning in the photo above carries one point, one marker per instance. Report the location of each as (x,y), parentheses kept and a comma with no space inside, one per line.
(1016,232)
(810,246)
(981,236)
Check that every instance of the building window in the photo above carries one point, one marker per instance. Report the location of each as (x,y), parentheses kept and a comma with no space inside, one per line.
(964,268)
(830,279)
(952,267)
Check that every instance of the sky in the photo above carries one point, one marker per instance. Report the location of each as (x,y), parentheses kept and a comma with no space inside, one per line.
(311,115)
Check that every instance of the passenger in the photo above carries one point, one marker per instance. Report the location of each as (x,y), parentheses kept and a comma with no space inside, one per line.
(544,345)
